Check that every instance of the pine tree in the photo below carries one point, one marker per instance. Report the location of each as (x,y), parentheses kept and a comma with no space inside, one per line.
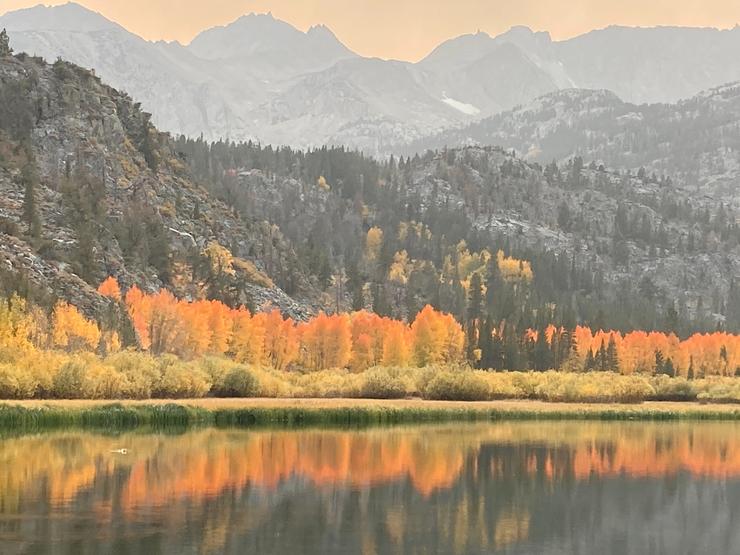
(590,363)
(475,298)
(572,362)
(475,301)
(5,49)
(30,204)
(542,355)
(612,358)
(668,368)
(486,345)
(601,358)
(659,362)
(358,299)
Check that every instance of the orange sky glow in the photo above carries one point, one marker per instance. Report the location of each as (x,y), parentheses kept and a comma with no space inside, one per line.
(406,29)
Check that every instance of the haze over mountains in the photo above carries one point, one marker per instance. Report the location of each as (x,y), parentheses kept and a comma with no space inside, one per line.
(260,78)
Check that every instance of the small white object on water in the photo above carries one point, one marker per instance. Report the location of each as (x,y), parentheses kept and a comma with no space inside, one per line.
(120,451)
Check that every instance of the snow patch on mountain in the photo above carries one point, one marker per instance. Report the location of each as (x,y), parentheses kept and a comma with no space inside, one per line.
(463,107)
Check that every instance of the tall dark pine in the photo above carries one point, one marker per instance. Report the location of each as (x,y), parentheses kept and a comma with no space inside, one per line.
(30,202)
(5,49)
(475,305)
(612,357)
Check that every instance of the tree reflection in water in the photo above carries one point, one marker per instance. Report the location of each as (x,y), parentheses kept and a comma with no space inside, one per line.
(505,487)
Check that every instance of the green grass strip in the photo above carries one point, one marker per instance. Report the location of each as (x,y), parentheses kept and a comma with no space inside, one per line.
(174,415)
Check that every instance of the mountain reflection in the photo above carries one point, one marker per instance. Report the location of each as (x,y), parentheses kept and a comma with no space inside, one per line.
(510,487)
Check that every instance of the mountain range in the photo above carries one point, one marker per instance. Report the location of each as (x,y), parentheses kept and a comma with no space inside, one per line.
(260,78)
(695,141)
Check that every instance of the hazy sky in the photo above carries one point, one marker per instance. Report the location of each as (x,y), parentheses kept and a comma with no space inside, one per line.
(406,29)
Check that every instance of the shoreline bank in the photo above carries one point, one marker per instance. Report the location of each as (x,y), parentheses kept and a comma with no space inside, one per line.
(248,412)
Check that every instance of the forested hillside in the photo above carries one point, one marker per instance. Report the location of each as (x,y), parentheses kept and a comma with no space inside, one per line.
(90,188)
(568,243)
(507,247)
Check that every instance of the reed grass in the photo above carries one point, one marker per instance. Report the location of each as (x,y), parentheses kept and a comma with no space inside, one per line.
(344,414)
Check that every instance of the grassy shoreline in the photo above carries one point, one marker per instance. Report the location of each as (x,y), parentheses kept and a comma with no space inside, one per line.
(330,412)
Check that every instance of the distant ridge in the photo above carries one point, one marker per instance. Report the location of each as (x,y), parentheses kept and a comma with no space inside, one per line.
(261,78)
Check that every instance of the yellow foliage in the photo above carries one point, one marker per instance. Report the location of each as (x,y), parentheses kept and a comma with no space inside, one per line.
(400,269)
(72,331)
(252,273)
(16,328)
(436,338)
(322,184)
(220,258)
(514,270)
(373,243)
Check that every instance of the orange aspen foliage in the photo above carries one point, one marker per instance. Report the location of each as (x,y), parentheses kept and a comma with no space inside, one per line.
(164,322)
(326,342)
(436,337)
(551,331)
(361,340)
(249,337)
(190,327)
(281,340)
(140,310)
(637,355)
(72,331)
(396,344)
(583,338)
(220,321)
(109,288)
(368,331)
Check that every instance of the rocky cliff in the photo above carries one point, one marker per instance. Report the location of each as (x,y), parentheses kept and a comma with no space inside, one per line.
(89,188)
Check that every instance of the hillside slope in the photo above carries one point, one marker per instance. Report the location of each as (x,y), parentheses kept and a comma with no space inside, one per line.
(89,188)
(696,141)
(606,248)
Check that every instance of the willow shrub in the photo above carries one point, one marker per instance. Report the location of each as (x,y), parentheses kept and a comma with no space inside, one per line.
(386,383)
(667,388)
(16,383)
(135,375)
(179,379)
(455,384)
(718,390)
(238,382)
(325,383)
(593,387)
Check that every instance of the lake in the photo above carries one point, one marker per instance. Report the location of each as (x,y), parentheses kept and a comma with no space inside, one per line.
(511,487)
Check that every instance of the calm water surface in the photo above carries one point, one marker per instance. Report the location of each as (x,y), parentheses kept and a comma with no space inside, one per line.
(581,488)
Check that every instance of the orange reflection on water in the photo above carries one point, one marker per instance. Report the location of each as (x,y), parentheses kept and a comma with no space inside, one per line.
(205,463)
(265,459)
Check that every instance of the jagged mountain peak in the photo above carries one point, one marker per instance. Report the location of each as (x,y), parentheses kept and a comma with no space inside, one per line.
(64,17)
(255,33)
(525,38)
(459,50)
